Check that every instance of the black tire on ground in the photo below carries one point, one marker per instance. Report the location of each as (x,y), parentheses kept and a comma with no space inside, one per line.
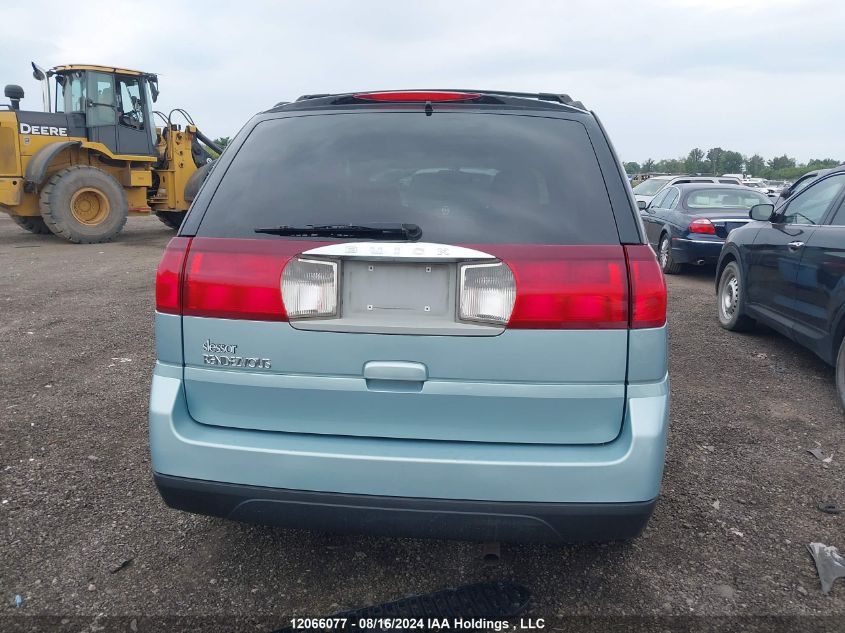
(173,219)
(840,374)
(664,256)
(32,223)
(730,300)
(84,205)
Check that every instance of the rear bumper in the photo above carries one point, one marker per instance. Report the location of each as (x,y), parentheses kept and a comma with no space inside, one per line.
(460,489)
(693,251)
(414,517)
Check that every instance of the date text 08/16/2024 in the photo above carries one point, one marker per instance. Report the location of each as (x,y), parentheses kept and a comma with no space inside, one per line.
(422,624)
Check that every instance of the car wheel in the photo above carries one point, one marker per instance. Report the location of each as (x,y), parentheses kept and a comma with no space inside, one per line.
(731,300)
(840,374)
(664,256)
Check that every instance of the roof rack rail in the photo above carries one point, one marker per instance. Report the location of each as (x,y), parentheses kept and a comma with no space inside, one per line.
(565,99)
(315,96)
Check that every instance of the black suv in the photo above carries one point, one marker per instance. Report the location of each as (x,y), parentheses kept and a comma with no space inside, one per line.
(788,271)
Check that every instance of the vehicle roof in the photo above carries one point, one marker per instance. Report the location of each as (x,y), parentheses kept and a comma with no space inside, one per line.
(827,170)
(821,172)
(676,176)
(705,177)
(691,186)
(104,69)
(539,100)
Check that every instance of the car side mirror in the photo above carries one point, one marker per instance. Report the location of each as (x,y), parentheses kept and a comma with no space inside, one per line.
(762,212)
(641,205)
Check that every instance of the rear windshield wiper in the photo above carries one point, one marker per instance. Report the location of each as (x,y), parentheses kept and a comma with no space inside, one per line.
(410,232)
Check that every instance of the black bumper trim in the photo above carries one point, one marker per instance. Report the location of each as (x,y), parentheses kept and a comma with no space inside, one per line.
(404,516)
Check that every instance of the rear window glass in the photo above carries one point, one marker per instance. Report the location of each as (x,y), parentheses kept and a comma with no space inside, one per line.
(704,199)
(651,186)
(462,177)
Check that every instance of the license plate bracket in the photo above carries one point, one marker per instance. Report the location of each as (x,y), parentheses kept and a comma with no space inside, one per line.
(397,290)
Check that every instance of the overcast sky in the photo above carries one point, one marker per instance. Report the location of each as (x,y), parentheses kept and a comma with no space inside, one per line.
(764,76)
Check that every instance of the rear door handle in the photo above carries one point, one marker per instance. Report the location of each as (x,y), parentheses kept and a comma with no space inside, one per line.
(395,370)
(794,246)
(395,376)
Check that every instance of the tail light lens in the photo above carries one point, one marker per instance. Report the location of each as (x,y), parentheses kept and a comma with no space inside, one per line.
(169,276)
(568,287)
(532,287)
(702,225)
(236,279)
(309,288)
(487,294)
(648,288)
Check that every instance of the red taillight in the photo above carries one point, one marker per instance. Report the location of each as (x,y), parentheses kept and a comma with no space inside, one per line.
(169,276)
(557,287)
(418,96)
(567,287)
(702,225)
(237,278)
(648,288)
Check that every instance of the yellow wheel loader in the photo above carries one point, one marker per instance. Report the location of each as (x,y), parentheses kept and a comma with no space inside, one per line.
(94,154)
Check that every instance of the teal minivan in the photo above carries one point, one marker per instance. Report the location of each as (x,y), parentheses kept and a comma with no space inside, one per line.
(418,313)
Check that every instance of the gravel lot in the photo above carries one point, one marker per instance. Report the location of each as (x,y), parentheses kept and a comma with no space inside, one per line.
(728,537)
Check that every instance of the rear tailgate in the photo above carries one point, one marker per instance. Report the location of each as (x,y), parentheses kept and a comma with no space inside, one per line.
(485,389)
(397,358)
(359,374)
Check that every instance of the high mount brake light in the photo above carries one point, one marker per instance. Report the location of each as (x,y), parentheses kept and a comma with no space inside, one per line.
(417,96)
(702,225)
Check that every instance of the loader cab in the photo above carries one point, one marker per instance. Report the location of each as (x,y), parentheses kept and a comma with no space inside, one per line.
(114,105)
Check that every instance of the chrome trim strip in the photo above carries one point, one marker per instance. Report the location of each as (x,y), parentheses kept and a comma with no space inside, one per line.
(398,250)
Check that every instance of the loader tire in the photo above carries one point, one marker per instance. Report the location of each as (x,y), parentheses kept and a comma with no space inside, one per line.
(173,219)
(84,205)
(32,223)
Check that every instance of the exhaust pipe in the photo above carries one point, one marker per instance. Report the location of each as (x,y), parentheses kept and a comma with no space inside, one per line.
(44,77)
(491,554)
(14,94)
(209,142)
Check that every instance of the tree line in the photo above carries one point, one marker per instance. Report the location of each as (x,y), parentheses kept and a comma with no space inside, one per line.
(715,161)
(221,142)
(724,161)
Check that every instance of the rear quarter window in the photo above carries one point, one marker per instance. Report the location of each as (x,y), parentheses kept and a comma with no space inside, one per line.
(462,177)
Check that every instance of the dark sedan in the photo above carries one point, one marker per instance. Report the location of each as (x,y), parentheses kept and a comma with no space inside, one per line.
(787,270)
(687,224)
